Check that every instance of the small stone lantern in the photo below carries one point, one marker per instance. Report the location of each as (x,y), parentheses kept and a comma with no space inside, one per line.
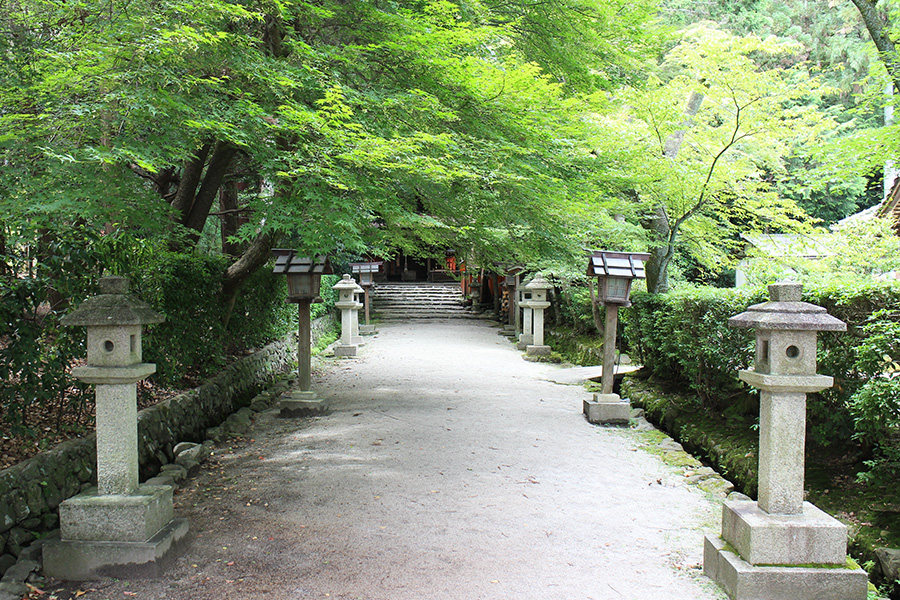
(781,546)
(538,303)
(346,289)
(365,273)
(121,528)
(304,276)
(614,271)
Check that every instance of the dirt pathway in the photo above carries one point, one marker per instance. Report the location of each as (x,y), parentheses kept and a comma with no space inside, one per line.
(447,470)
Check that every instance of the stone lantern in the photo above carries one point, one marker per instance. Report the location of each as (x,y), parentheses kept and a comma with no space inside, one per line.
(347,290)
(120,528)
(365,273)
(538,303)
(615,272)
(304,276)
(781,546)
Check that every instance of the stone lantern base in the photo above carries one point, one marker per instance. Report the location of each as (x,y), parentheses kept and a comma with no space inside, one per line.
(762,556)
(525,340)
(608,409)
(302,404)
(345,350)
(532,350)
(124,536)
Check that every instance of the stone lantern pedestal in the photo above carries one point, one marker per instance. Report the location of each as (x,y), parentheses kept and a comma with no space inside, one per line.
(526,338)
(355,333)
(538,303)
(349,308)
(120,528)
(781,546)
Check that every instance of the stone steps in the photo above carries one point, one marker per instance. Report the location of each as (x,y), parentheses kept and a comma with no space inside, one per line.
(400,301)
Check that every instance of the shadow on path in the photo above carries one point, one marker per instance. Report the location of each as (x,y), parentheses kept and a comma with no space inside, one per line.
(448,469)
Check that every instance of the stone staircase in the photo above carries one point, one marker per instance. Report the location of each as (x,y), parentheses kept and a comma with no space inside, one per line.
(393,301)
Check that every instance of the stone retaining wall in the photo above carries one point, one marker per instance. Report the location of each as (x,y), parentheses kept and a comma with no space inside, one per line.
(31,491)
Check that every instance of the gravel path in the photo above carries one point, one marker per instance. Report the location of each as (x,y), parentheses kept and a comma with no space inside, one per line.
(448,469)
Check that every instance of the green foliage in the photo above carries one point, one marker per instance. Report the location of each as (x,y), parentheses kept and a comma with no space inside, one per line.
(185,290)
(35,352)
(715,128)
(683,338)
(328,295)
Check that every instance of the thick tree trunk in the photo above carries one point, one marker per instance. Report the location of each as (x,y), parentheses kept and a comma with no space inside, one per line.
(877,24)
(209,189)
(657,267)
(252,259)
(187,186)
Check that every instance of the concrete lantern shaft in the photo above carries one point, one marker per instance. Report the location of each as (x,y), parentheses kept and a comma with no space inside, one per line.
(113,320)
(784,372)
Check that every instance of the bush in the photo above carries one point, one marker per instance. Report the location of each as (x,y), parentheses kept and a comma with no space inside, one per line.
(35,352)
(683,337)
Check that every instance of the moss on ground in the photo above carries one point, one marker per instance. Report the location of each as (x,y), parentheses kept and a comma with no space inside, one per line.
(872,513)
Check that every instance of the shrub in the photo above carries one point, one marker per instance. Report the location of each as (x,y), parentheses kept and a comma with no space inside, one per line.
(683,337)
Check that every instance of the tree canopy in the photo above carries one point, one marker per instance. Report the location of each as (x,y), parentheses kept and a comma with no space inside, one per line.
(360,126)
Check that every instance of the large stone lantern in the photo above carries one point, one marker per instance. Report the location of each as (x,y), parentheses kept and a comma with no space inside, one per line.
(615,272)
(120,528)
(304,276)
(349,307)
(781,546)
(538,303)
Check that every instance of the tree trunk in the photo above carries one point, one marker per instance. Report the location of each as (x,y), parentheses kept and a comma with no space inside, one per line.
(595,308)
(187,186)
(231,218)
(209,189)
(252,259)
(877,24)
(662,240)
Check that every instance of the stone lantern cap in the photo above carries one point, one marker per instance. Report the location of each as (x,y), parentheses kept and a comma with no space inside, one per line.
(786,312)
(113,306)
(346,283)
(538,283)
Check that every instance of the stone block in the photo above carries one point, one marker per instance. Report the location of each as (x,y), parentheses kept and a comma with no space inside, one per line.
(607,408)
(889,560)
(81,560)
(6,562)
(345,351)
(812,537)
(367,330)
(176,472)
(116,518)
(302,404)
(743,581)
(20,571)
(531,350)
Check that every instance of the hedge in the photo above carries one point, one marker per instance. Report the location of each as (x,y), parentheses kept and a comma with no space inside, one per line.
(683,337)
